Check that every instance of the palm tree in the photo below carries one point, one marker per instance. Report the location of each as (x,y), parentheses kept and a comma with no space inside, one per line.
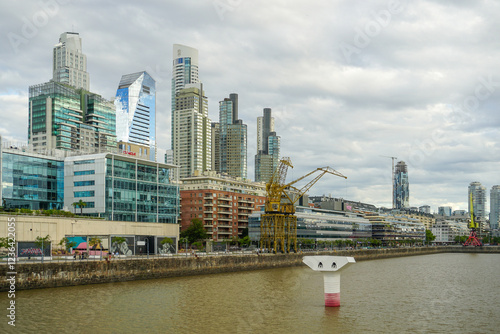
(96,241)
(81,204)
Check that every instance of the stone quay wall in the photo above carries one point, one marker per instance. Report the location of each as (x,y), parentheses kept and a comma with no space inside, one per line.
(57,274)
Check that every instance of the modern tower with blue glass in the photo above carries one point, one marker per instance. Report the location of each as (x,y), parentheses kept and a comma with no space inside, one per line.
(135,104)
(401,186)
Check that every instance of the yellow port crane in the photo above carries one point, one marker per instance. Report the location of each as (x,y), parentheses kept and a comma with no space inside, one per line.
(279,224)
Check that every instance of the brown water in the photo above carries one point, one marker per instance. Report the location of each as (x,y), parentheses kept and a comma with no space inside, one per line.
(442,293)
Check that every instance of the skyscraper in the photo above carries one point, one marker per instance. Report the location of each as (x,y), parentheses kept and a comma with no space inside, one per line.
(232,140)
(494,207)
(268,147)
(191,131)
(184,69)
(63,114)
(478,192)
(69,63)
(135,104)
(401,186)
(66,118)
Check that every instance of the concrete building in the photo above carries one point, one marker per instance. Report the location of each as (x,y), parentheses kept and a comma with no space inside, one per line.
(401,186)
(230,142)
(478,192)
(191,131)
(222,203)
(494,207)
(135,104)
(268,147)
(69,63)
(445,231)
(425,209)
(394,228)
(138,237)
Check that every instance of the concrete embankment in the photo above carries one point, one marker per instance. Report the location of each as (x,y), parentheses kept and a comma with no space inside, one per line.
(56,274)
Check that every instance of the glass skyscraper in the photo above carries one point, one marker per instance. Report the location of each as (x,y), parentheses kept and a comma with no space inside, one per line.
(268,148)
(135,104)
(66,118)
(478,192)
(401,186)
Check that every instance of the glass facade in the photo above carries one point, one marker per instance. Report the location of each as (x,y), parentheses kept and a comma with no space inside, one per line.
(135,105)
(34,183)
(140,192)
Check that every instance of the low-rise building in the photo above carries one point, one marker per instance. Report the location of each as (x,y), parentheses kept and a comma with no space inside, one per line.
(445,231)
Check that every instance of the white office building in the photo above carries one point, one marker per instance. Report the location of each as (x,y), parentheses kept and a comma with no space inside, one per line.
(69,63)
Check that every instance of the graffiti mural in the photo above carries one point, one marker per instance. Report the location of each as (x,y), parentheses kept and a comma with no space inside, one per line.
(166,247)
(122,245)
(29,249)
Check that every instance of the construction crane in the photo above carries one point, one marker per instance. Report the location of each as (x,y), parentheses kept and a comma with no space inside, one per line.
(392,180)
(279,224)
(473,226)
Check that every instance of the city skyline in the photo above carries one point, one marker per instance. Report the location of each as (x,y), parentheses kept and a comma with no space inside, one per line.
(342,94)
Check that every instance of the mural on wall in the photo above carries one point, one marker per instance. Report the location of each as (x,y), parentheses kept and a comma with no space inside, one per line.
(80,242)
(122,245)
(98,245)
(166,247)
(28,249)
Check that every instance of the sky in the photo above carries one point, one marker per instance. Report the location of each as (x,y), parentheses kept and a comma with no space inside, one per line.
(350,83)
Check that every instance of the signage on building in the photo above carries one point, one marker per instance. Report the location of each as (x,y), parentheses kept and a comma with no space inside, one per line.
(129,153)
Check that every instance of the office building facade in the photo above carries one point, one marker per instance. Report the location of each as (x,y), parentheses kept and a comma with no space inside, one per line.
(65,118)
(69,63)
(123,188)
(401,187)
(135,104)
(268,148)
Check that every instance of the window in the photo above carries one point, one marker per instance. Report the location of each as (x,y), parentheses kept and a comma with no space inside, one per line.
(83,162)
(84,183)
(89,193)
(84,172)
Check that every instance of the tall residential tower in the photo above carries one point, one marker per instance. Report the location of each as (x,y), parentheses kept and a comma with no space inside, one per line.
(268,147)
(494,207)
(478,192)
(230,140)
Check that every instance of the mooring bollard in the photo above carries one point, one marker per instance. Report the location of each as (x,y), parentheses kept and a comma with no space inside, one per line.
(329,266)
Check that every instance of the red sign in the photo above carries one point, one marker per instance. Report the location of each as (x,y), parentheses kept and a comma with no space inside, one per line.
(129,153)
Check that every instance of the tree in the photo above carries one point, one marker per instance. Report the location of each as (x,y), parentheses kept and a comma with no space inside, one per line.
(195,231)
(81,204)
(244,242)
(67,244)
(41,242)
(94,242)
(429,237)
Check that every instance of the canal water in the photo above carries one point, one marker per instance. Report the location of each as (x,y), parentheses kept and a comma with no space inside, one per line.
(441,293)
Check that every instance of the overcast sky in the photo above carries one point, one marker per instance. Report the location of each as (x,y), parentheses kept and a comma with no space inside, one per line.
(348,81)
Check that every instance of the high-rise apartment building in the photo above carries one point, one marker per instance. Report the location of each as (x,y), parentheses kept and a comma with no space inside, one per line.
(135,104)
(401,186)
(478,192)
(230,140)
(67,118)
(191,131)
(184,69)
(268,147)
(494,207)
(69,63)
(444,210)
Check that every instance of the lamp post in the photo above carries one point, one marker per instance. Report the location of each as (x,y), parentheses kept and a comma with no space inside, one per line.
(147,247)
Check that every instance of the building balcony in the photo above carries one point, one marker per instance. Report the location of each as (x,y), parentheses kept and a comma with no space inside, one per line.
(208,218)
(246,201)
(225,232)
(207,212)
(222,205)
(224,199)
(225,219)
(208,197)
(208,204)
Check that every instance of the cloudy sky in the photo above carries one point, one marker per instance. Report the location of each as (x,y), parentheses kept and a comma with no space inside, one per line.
(349,82)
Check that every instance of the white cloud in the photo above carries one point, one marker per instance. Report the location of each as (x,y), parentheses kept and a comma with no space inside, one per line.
(399,95)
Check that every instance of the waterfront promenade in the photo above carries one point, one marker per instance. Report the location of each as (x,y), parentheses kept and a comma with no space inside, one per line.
(34,275)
